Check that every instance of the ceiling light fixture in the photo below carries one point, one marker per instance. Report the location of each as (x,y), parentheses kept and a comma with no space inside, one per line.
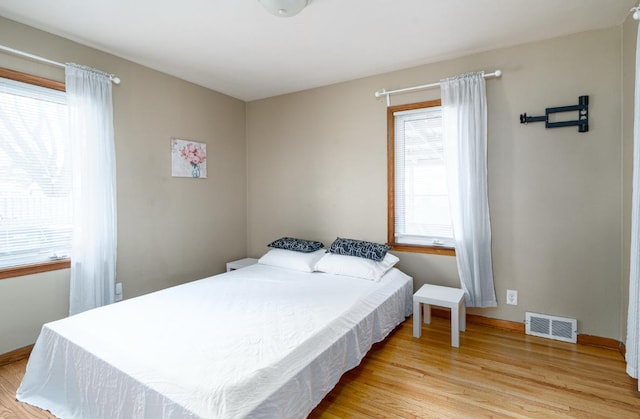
(284,8)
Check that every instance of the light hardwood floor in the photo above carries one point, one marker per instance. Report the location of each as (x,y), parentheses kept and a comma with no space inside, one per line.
(494,373)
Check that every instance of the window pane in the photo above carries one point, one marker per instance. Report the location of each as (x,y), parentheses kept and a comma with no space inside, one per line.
(422,214)
(35,178)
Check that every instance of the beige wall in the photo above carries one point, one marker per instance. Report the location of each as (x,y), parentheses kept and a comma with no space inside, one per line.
(317,169)
(170,230)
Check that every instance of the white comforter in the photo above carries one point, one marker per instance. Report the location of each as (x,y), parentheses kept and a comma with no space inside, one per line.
(255,342)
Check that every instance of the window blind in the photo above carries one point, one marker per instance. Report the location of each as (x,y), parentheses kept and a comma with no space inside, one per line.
(422,214)
(35,176)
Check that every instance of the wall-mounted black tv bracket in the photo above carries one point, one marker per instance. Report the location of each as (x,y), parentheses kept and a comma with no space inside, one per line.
(583,116)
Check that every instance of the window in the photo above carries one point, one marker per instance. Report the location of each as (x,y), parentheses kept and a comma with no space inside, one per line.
(35,174)
(419,215)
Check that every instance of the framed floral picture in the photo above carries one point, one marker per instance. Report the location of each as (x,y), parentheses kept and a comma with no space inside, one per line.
(188,159)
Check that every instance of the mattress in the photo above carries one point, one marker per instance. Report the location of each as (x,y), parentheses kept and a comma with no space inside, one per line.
(260,342)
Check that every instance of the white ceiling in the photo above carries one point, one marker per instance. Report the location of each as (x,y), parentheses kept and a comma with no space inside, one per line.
(237,48)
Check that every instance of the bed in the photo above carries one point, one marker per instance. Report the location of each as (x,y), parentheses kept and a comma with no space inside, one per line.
(263,341)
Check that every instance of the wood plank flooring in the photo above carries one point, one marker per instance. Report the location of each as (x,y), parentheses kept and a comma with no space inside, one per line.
(494,373)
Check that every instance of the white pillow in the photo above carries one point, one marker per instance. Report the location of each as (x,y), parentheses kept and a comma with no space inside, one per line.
(290,259)
(356,266)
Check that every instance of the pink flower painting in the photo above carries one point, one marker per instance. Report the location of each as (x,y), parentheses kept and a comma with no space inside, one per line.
(188,159)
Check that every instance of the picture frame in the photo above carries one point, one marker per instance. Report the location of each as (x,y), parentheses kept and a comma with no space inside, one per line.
(188,159)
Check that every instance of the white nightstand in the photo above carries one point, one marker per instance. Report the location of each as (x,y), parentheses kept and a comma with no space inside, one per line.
(453,298)
(240,263)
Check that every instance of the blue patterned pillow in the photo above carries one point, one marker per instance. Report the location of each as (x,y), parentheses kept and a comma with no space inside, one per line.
(297,245)
(359,248)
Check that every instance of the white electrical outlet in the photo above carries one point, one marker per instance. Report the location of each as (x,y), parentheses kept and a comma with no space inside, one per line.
(119,291)
(512,297)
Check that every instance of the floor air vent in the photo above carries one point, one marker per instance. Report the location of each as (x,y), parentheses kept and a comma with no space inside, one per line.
(552,327)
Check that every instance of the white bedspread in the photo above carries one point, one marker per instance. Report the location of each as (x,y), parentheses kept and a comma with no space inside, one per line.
(256,342)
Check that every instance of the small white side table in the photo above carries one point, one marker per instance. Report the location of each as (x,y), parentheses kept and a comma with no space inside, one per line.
(240,263)
(452,298)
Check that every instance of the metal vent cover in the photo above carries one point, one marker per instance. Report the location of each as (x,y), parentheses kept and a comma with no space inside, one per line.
(552,327)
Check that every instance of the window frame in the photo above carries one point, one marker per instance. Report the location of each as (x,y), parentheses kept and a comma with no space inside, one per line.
(391,241)
(33,268)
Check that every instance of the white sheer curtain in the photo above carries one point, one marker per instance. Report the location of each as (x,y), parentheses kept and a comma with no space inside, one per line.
(93,258)
(633,318)
(464,122)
